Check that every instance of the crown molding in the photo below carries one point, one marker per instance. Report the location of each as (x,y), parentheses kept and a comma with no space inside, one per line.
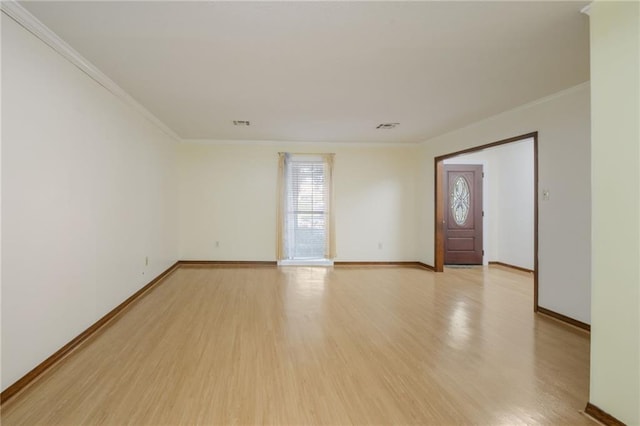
(528,105)
(586,10)
(32,24)
(545,99)
(302,144)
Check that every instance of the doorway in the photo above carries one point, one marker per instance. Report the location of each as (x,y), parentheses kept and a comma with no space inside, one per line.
(443,196)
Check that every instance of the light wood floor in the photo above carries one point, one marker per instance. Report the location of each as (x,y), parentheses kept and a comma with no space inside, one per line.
(302,346)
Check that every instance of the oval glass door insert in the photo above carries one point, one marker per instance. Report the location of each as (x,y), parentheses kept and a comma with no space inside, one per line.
(460,200)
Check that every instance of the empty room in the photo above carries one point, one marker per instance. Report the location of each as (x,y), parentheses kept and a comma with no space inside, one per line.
(299,213)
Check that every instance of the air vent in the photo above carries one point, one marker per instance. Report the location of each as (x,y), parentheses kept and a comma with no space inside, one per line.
(387,125)
(244,123)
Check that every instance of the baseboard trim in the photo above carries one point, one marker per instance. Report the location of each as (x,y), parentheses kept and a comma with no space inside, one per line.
(409,264)
(507,265)
(602,416)
(426,266)
(274,263)
(564,318)
(99,325)
(229,262)
(372,263)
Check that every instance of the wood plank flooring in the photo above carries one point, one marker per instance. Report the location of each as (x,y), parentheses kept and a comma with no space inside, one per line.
(313,345)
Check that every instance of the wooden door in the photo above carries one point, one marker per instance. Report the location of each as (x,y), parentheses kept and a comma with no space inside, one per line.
(463,214)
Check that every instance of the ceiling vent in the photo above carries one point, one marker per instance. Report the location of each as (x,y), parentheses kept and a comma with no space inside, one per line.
(244,123)
(387,125)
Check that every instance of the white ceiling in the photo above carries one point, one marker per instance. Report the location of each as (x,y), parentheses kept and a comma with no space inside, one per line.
(327,71)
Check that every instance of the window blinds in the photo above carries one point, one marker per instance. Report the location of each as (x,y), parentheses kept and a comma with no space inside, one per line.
(306,209)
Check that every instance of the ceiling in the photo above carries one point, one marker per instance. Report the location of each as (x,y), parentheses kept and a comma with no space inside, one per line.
(327,71)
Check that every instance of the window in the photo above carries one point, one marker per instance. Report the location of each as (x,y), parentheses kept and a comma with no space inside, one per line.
(304,212)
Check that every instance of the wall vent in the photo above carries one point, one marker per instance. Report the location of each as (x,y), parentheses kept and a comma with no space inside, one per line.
(387,125)
(245,123)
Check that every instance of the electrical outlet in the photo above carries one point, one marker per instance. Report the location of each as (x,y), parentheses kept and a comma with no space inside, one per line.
(379,246)
(217,244)
(545,194)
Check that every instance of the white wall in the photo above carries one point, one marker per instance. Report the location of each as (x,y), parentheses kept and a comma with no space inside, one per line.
(507,201)
(615,112)
(514,210)
(228,194)
(88,191)
(564,169)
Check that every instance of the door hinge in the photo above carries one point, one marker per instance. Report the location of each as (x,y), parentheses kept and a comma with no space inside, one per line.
(482,213)
(482,174)
(483,252)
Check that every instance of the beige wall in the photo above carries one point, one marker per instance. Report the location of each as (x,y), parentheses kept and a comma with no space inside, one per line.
(615,115)
(228,194)
(88,191)
(564,169)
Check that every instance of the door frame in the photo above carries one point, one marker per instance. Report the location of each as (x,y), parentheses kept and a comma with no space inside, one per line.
(440,210)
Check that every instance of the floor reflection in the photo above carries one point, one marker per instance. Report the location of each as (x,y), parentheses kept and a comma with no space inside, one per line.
(304,301)
(459,331)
